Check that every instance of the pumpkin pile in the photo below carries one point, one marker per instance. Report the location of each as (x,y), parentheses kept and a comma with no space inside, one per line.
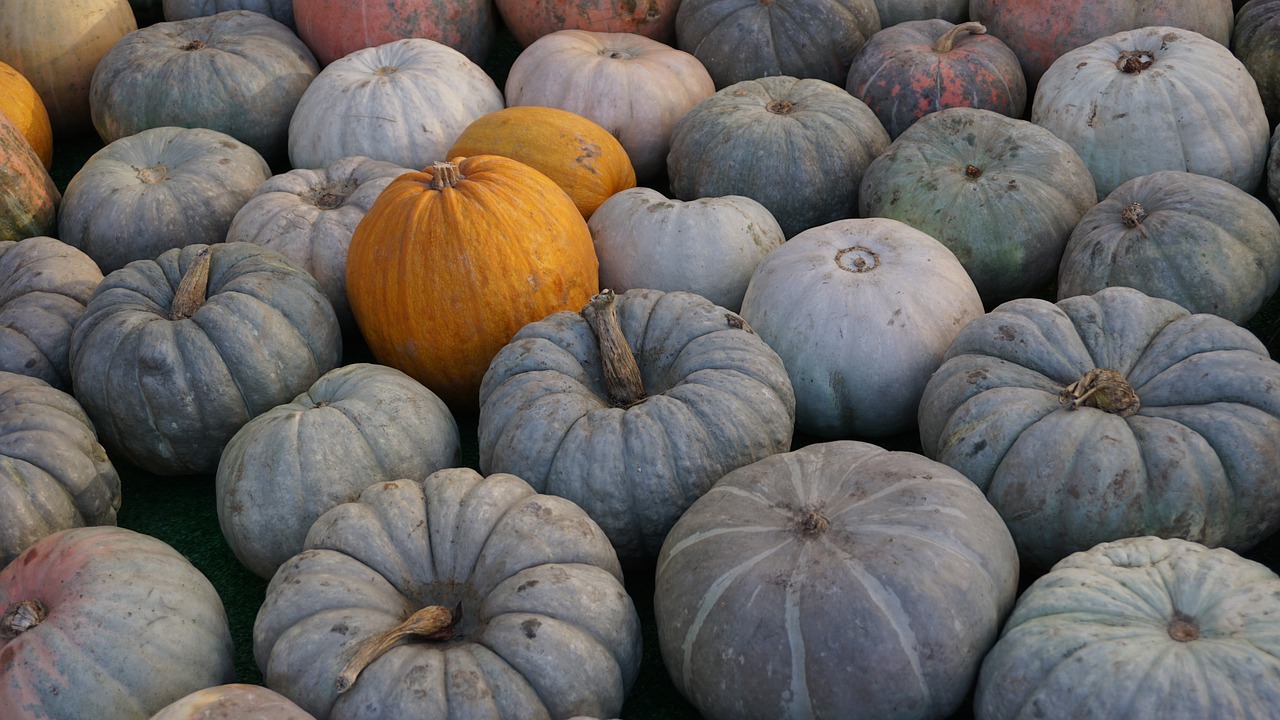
(723,359)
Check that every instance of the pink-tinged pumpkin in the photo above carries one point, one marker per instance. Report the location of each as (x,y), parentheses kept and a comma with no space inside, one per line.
(28,197)
(529,20)
(334,28)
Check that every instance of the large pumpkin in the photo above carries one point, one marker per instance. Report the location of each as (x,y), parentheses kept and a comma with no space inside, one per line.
(20,101)
(633,407)
(336,28)
(1111,415)
(29,198)
(515,598)
(838,580)
(450,262)
(279,10)
(173,355)
(107,623)
(1256,41)
(529,20)
(894,12)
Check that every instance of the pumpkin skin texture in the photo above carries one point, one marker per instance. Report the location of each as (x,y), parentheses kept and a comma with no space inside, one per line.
(166,391)
(129,626)
(910,70)
(233,701)
(404,102)
(1139,627)
(440,278)
(309,216)
(29,199)
(1196,459)
(1002,193)
(279,10)
(895,12)
(709,246)
(714,397)
(357,425)
(1198,241)
(158,190)
(1156,98)
(44,286)
(803,572)
(237,72)
(635,87)
(546,630)
(1256,41)
(748,39)
(54,474)
(1273,170)
(861,312)
(797,146)
(20,101)
(529,20)
(336,28)
(587,162)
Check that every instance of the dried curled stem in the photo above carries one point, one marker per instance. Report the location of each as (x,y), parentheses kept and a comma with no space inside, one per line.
(948,40)
(21,617)
(621,371)
(433,622)
(193,289)
(1103,389)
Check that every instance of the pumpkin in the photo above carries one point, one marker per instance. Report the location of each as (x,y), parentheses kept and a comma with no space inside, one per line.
(355,426)
(404,102)
(1140,101)
(237,72)
(895,12)
(837,576)
(1002,193)
(44,285)
(1198,241)
(529,20)
(450,262)
(56,46)
(160,189)
(1139,627)
(278,10)
(708,246)
(54,474)
(1111,415)
(748,39)
(309,216)
(633,86)
(632,408)
(1273,169)
(1254,41)
(29,198)
(516,600)
(907,71)
(233,701)
(173,355)
(861,312)
(20,101)
(797,146)
(587,162)
(336,28)
(104,622)
(1041,31)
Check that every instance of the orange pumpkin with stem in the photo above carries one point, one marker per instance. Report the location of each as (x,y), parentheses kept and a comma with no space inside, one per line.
(451,261)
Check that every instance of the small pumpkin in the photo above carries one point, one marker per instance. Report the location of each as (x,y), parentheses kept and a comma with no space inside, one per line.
(233,701)
(20,101)
(334,29)
(529,20)
(29,199)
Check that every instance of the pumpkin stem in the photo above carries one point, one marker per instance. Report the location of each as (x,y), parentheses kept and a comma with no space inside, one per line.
(945,43)
(21,617)
(1134,61)
(1103,389)
(1133,214)
(193,288)
(434,622)
(445,174)
(812,524)
(1183,627)
(621,372)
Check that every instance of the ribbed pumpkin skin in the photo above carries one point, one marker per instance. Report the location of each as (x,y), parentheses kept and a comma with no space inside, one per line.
(716,398)
(336,28)
(547,629)
(168,394)
(1002,193)
(1194,108)
(908,71)
(233,701)
(1139,628)
(54,474)
(797,146)
(835,577)
(748,39)
(529,20)
(44,286)
(131,626)
(1203,243)
(29,198)
(439,280)
(279,10)
(237,72)
(20,101)
(1256,41)
(587,162)
(1197,460)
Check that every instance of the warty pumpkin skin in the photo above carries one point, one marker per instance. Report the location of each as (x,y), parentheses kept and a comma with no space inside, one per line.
(334,29)
(538,624)
(29,199)
(1111,415)
(450,262)
(20,101)
(169,373)
(107,623)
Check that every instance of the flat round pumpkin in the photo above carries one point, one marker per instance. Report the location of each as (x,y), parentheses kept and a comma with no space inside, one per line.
(20,101)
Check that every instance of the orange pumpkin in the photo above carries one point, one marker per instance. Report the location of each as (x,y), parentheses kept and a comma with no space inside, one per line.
(450,262)
(20,101)
(28,196)
(583,158)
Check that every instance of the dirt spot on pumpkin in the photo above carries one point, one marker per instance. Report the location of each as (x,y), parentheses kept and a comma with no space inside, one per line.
(1006,333)
(530,628)
(526,585)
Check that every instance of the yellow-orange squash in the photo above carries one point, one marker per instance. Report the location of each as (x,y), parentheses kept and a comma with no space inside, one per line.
(583,158)
(20,101)
(451,261)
